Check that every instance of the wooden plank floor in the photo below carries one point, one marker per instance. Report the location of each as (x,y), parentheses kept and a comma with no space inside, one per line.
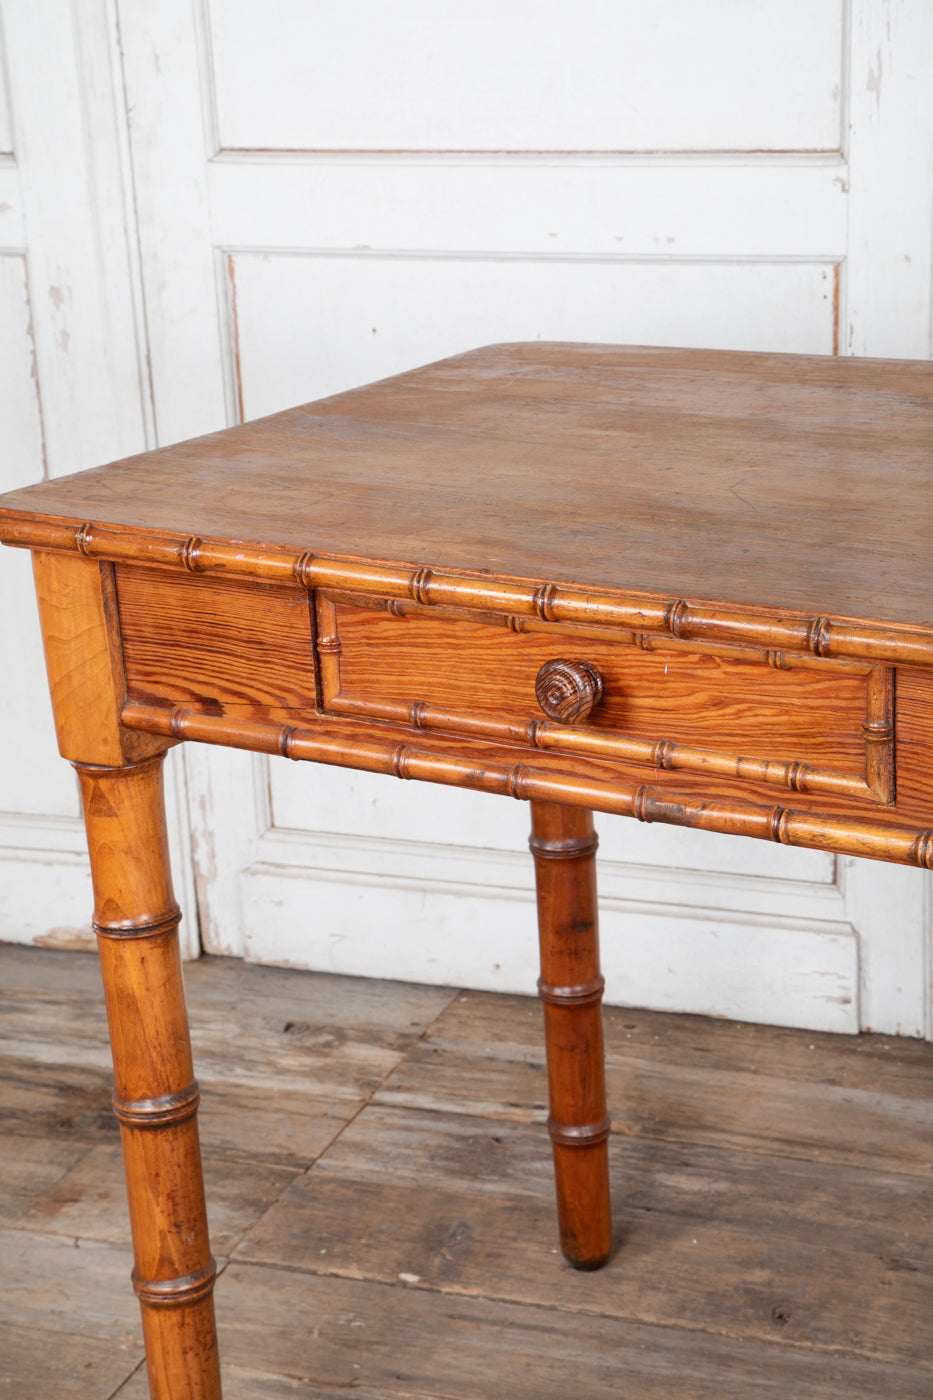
(381,1200)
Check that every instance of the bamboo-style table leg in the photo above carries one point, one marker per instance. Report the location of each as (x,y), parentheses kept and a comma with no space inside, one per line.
(563,842)
(156,1094)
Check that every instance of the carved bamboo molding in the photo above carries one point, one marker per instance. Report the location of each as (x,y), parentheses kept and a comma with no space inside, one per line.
(790,631)
(847,836)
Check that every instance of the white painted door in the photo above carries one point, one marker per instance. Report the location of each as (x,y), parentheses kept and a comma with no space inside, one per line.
(323,194)
(329,194)
(73,393)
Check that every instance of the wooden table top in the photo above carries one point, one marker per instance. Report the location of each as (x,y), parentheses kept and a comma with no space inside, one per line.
(787,482)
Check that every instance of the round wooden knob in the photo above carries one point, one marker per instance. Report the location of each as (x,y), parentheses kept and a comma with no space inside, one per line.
(568,690)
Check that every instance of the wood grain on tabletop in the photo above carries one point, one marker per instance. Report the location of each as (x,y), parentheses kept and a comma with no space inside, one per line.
(778,480)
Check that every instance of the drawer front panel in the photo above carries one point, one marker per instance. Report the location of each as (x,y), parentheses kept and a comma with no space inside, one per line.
(216,646)
(725,719)
(813,725)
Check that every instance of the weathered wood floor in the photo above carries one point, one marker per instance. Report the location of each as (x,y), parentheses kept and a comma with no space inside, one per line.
(380,1193)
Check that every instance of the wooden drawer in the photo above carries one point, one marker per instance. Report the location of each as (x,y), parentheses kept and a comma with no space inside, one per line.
(216,646)
(722,718)
(804,723)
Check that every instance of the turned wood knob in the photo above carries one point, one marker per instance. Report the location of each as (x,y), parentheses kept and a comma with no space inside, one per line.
(568,690)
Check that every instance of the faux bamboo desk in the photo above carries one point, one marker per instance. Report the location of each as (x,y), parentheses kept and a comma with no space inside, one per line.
(683,586)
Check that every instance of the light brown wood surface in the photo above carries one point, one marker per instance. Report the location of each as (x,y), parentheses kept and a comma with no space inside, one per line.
(404,1137)
(155,1095)
(723,703)
(773,480)
(81,636)
(721,561)
(564,843)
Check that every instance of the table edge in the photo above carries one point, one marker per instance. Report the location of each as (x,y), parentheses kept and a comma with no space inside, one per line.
(711,620)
